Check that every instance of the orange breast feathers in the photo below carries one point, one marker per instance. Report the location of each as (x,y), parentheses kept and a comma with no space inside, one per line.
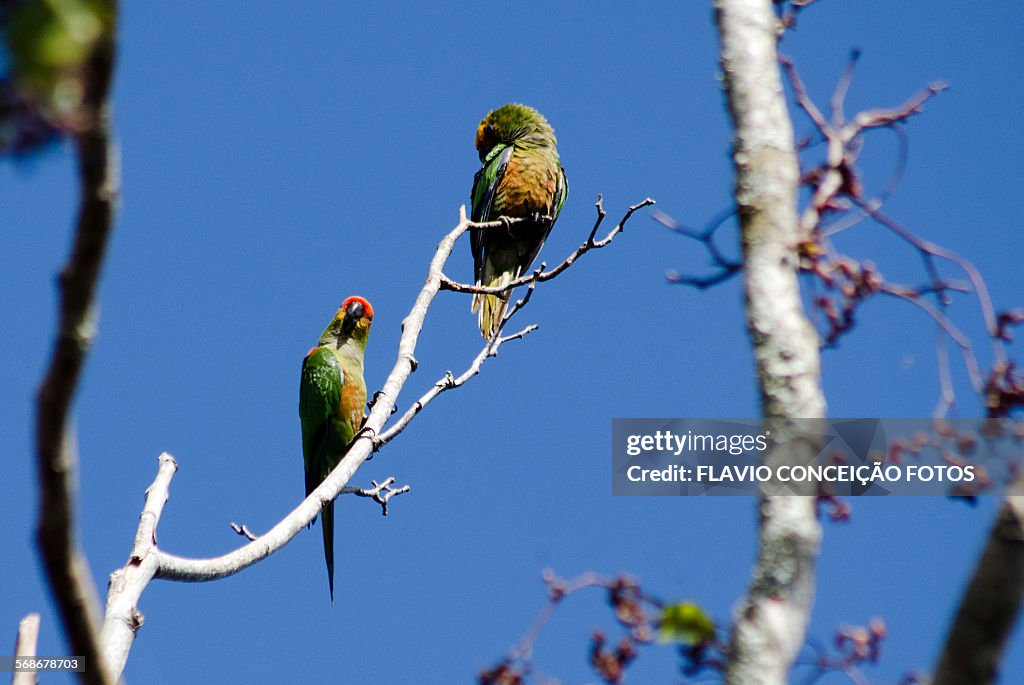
(353,399)
(527,187)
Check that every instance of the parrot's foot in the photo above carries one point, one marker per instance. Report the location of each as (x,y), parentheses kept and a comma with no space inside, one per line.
(373,401)
(371,434)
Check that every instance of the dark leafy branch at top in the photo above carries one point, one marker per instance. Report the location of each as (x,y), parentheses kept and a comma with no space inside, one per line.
(61,57)
(840,283)
(48,93)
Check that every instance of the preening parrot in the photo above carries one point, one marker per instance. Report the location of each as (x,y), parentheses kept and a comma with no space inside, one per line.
(520,177)
(332,395)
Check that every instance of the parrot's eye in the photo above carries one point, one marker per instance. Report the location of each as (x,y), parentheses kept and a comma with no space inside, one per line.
(355,310)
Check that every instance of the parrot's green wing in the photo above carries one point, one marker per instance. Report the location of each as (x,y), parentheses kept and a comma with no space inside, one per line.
(487,179)
(319,400)
(561,192)
(485,183)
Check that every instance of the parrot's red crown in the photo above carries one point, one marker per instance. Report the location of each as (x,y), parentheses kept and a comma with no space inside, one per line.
(367,307)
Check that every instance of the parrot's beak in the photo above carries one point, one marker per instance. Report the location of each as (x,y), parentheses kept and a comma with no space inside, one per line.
(355,311)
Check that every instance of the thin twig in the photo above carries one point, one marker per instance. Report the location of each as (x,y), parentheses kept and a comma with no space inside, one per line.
(842,87)
(930,249)
(947,326)
(726,268)
(541,276)
(123,619)
(244,531)
(875,118)
(449,381)
(379,493)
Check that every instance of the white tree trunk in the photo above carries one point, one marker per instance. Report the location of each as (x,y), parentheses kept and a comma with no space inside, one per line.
(770,623)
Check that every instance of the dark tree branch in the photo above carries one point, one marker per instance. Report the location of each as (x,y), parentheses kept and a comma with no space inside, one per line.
(990,604)
(725,268)
(67,570)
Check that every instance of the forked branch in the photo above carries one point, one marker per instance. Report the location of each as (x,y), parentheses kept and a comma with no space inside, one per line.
(148,561)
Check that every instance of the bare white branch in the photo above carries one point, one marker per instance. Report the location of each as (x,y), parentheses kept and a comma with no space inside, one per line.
(24,647)
(379,493)
(540,275)
(122,619)
(148,561)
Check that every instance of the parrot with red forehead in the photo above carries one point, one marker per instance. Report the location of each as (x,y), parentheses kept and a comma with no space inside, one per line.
(332,394)
(521,177)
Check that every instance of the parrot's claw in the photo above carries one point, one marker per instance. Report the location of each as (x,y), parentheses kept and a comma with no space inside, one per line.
(366,432)
(373,401)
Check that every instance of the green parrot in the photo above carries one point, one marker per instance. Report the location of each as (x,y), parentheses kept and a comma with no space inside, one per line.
(332,395)
(520,177)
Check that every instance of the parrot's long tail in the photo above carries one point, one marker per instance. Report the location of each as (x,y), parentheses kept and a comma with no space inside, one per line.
(491,308)
(327,522)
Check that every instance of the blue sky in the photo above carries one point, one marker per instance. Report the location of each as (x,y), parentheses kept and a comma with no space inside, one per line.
(279,158)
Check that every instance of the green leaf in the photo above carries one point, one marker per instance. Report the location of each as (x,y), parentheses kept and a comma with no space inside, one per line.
(54,34)
(686,623)
(49,40)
